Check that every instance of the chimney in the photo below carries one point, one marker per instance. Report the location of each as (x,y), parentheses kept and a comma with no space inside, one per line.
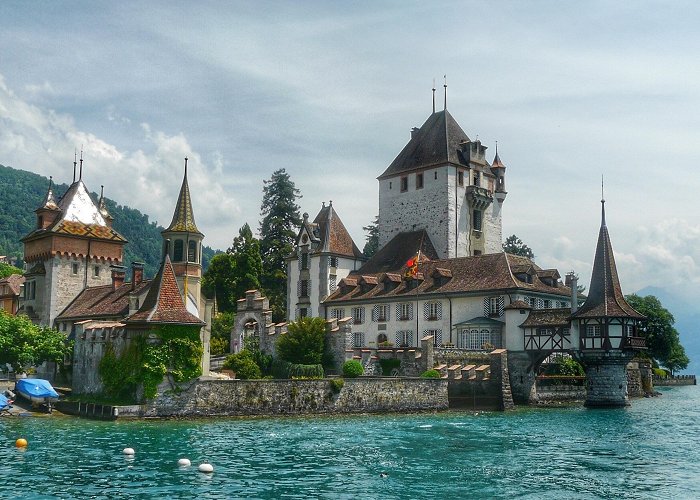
(572,281)
(133,303)
(136,274)
(118,276)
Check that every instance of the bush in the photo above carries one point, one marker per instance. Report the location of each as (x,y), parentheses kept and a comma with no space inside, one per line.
(304,341)
(337,384)
(305,371)
(660,372)
(353,369)
(280,368)
(431,374)
(244,365)
(218,346)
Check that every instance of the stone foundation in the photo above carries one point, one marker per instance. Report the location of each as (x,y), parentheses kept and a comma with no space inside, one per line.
(606,379)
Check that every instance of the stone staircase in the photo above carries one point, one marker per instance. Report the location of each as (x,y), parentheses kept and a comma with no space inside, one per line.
(466,372)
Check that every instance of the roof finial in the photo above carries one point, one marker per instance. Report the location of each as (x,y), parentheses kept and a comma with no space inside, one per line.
(602,200)
(445,77)
(75,161)
(330,203)
(186,166)
(433,95)
(323,204)
(50,181)
(102,191)
(80,177)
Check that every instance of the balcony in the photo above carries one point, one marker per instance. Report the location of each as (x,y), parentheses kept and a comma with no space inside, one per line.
(634,343)
(479,198)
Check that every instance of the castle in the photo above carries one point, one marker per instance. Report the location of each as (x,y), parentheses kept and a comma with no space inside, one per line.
(75,280)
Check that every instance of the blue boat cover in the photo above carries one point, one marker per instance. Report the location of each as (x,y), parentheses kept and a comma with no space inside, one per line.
(4,403)
(36,387)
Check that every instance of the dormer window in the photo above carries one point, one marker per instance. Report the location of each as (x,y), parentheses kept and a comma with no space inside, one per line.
(40,222)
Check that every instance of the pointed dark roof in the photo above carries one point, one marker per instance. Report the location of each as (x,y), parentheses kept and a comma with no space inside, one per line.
(333,235)
(402,247)
(435,143)
(102,206)
(49,202)
(497,163)
(163,303)
(183,218)
(605,298)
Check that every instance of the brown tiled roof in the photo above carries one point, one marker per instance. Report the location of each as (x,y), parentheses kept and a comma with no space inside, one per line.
(14,281)
(436,142)
(548,317)
(518,304)
(164,303)
(333,235)
(102,302)
(605,298)
(394,255)
(183,217)
(480,273)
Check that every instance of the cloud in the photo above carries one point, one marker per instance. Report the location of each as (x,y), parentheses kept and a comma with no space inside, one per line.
(147,178)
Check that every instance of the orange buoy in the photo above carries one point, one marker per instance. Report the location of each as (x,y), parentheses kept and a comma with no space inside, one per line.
(21,443)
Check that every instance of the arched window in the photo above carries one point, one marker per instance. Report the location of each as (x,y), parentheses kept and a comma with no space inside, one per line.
(178,251)
(192,252)
(381,338)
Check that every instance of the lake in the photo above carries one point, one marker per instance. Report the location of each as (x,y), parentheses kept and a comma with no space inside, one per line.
(650,449)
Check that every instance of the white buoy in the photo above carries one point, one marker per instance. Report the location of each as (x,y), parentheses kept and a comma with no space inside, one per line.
(206,467)
(128,451)
(184,462)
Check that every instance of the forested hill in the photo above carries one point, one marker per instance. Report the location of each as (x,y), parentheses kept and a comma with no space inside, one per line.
(21,193)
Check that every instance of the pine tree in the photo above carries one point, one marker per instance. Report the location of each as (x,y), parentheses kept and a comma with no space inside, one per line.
(515,246)
(248,261)
(278,227)
(372,244)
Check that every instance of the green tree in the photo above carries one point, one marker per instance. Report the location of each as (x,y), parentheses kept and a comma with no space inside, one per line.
(243,364)
(372,244)
(247,261)
(515,246)
(304,341)
(8,270)
(221,326)
(24,344)
(220,281)
(661,336)
(278,228)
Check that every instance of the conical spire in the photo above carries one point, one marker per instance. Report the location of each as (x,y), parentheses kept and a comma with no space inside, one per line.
(605,297)
(497,163)
(183,218)
(164,303)
(102,206)
(49,202)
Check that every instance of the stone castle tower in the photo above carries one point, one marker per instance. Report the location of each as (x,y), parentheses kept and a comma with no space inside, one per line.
(441,182)
(71,248)
(185,250)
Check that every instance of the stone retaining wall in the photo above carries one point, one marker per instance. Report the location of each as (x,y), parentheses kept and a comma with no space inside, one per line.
(677,380)
(290,397)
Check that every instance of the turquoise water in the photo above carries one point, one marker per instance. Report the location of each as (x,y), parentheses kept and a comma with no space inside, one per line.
(649,450)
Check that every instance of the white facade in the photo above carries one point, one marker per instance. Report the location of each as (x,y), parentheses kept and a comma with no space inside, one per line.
(444,207)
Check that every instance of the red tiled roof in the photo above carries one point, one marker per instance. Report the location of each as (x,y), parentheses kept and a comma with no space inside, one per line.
(164,303)
(102,302)
(14,281)
(480,273)
(548,317)
(333,235)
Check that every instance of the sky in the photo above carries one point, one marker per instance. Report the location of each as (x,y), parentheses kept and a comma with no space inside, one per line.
(329,91)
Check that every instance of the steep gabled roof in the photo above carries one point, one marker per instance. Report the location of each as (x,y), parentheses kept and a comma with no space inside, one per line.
(436,142)
(164,304)
(333,235)
(605,298)
(183,217)
(14,282)
(402,247)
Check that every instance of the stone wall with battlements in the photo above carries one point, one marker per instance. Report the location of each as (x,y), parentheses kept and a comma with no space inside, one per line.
(294,397)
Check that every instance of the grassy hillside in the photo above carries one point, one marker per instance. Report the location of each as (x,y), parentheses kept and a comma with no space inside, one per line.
(23,191)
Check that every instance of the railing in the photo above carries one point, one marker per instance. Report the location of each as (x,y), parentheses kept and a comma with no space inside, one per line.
(634,343)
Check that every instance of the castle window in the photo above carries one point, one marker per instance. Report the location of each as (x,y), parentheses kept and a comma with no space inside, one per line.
(382,339)
(389,184)
(338,313)
(547,304)
(40,222)
(333,261)
(404,184)
(74,268)
(304,258)
(460,178)
(404,338)
(419,181)
(476,220)
(192,251)
(436,175)
(97,271)
(358,339)
(304,288)
(493,306)
(404,311)
(593,331)
(178,251)
(477,179)
(332,284)
(380,312)
(303,312)
(358,315)
(437,336)
(432,311)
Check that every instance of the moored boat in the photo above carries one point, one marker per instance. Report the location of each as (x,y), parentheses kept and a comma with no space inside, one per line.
(38,391)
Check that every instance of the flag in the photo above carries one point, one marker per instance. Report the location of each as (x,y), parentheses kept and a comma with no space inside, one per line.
(412,265)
